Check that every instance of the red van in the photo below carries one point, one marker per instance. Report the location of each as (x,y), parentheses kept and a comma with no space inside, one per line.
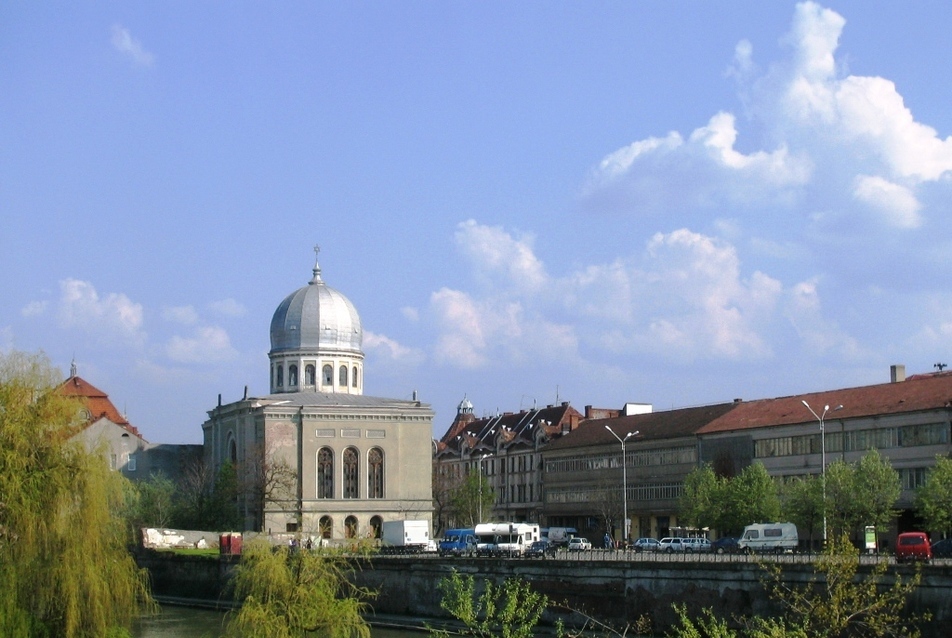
(913,546)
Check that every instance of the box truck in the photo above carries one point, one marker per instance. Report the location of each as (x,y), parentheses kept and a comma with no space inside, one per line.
(405,537)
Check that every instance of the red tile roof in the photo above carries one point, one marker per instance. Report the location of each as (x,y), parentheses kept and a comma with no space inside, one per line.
(916,393)
(97,402)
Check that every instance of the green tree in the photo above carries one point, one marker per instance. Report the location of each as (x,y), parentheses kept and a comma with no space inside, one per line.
(154,502)
(751,497)
(934,498)
(511,611)
(293,594)
(860,494)
(472,498)
(696,505)
(64,567)
(801,503)
(838,603)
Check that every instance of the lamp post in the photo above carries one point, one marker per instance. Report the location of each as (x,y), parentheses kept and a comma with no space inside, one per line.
(480,504)
(820,417)
(624,483)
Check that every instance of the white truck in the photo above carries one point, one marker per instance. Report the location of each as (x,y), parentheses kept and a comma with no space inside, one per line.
(505,539)
(560,536)
(405,537)
(769,537)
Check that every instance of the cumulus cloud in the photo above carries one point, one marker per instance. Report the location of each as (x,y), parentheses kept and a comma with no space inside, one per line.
(208,344)
(228,308)
(124,43)
(115,314)
(849,141)
(185,315)
(391,350)
(685,295)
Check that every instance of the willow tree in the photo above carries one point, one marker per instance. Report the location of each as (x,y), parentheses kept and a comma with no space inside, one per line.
(293,594)
(64,567)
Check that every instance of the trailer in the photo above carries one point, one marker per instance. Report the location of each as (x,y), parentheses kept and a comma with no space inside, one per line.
(769,537)
(505,539)
(405,537)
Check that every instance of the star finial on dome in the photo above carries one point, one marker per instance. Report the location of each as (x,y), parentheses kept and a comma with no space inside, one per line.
(317,267)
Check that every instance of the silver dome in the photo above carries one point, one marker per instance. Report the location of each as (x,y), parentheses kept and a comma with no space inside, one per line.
(316,318)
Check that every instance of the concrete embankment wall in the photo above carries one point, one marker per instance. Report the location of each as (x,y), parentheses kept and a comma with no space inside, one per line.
(615,591)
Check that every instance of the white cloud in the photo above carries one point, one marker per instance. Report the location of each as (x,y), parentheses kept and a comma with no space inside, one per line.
(34,309)
(128,46)
(208,344)
(228,308)
(391,350)
(109,316)
(824,136)
(898,205)
(184,315)
(494,252)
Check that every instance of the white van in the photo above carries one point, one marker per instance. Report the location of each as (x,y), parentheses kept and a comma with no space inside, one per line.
(769,537)
(505,539)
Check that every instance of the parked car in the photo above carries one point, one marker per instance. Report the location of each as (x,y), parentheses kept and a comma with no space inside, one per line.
(540,549)
(696,544)
(646,545)
(725,545)
(913,546)
(942,549)
(671,544)
(579,544)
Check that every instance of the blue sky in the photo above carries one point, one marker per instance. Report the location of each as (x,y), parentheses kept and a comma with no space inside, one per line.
(673,203)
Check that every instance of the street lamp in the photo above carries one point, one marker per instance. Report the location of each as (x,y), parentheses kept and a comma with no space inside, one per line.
(624,483)
(481,486)
(820,417)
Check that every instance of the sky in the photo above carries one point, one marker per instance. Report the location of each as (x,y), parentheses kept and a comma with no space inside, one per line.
(676,203)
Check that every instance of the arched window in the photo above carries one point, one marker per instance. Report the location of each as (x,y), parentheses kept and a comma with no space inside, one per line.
(350,527)
(309,373)
(327,372)
(376,526)
(232,451)
(342,376)
(326,526)
(353,377)
(292,375)
(325,473)
(375,473)
(351,466)
(280,376)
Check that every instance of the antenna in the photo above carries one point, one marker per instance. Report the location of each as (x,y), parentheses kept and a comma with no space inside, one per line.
(940,366)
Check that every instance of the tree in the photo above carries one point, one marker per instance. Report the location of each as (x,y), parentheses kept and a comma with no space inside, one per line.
(801,503)
(751,497)
(267,479)
(472,498)
(934,498)
(701,488)
(511,611)
(291,594)
(860,494)
(64,567)
(154,504)
(837,604)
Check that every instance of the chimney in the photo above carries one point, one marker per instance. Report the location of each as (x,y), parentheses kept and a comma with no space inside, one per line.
(897,373)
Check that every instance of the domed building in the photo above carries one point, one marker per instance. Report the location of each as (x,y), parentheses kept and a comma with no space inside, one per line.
(316,456)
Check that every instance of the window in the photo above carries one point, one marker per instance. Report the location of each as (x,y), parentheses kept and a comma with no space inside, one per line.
(353,377)
(327,373)
(325,473)
(351,466)
(280,377)
(131,465)
(375,473)
(113,460)
(342,374)
(350,527)
(232,451)
(376,525)
(309,373)
(292,375)
(326,526)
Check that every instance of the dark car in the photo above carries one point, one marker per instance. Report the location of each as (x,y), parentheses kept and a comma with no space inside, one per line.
(539,549)
(725,545)
(942,549)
